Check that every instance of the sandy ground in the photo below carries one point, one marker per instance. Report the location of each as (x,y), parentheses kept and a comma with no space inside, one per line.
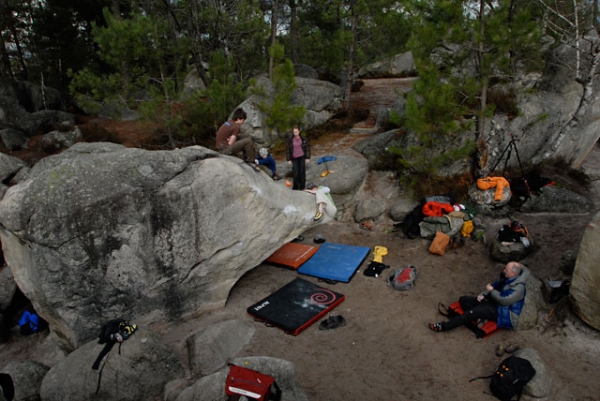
(386,352)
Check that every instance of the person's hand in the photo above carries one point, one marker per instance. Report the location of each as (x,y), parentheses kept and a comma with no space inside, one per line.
(290,162)
(308,160)
(480,297)
(489,287)
(256,161)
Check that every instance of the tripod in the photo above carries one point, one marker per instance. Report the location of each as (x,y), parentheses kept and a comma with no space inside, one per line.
(508,150)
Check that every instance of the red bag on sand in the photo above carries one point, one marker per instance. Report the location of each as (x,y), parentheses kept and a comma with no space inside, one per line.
(251,384)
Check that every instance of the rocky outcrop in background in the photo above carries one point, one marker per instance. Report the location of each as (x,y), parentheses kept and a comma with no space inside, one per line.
(321,99)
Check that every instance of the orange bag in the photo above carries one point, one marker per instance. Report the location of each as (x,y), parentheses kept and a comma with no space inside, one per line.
(439,244)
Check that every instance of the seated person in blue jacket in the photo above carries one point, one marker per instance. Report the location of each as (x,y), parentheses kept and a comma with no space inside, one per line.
(267,164)
(501,301)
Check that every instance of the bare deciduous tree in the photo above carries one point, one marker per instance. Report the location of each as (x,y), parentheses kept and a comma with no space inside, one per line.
(567,25)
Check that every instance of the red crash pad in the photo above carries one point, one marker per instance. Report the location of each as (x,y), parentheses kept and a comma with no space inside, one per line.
(481,332)
(292,255)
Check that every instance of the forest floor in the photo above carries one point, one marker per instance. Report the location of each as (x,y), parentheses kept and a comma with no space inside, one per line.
(386,351)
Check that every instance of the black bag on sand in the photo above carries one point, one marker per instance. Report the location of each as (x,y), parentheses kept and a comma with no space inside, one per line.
(410,224)
(510,377)
(374,269)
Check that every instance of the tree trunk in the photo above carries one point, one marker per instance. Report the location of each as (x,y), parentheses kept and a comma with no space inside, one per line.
(115,8)
(196,48)
(125,69)
(15,35)
(481,143)
(351,50)
(294,31)
(595,22)
(6,60)
(274,12)
(584,104)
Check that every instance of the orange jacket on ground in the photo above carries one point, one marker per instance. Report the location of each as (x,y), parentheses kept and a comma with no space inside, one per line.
(493,182)
(437,209)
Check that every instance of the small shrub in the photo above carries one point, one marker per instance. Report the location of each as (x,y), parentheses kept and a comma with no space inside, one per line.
(356,85)
(95,133)
(421,185)
(505,101)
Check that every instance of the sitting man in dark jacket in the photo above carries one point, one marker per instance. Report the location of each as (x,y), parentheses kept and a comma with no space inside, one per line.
(501,301)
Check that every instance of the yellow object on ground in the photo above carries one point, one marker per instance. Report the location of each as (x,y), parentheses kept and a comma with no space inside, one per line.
(378,253)
(467,228)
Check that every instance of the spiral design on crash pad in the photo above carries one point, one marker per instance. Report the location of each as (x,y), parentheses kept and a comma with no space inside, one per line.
(323,297)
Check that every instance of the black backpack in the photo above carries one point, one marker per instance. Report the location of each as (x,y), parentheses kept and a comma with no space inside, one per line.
(513,232)
(114,331)
(510,377)
(520,187)
(410,224)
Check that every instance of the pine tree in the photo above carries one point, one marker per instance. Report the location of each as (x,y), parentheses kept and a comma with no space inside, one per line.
(475,43)
(281,114)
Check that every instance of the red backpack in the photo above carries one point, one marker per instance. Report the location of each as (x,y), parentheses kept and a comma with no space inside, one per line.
(403,278)
(251,384)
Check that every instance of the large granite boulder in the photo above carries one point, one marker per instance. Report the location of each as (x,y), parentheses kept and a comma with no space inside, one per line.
(192,84)
(211,348)
(383,150)
(8,287)
(483,200)
(321,99)
(540,385)
(370,208)
(374,148)
(546,110)
(11,171)
(401,65)
(585,284)
(534,304)
(27,378)
(55,140)
(542,113)
(554,199)
(101,230)
(135,370)
(13,139)
(505,252)
(26,96)
(212,387)
(44,121)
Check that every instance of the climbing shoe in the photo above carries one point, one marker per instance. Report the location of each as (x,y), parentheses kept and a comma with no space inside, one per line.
(435,327)
(332,322)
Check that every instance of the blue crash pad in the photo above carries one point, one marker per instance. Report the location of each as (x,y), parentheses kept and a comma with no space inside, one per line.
(326,159)
(335,262)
